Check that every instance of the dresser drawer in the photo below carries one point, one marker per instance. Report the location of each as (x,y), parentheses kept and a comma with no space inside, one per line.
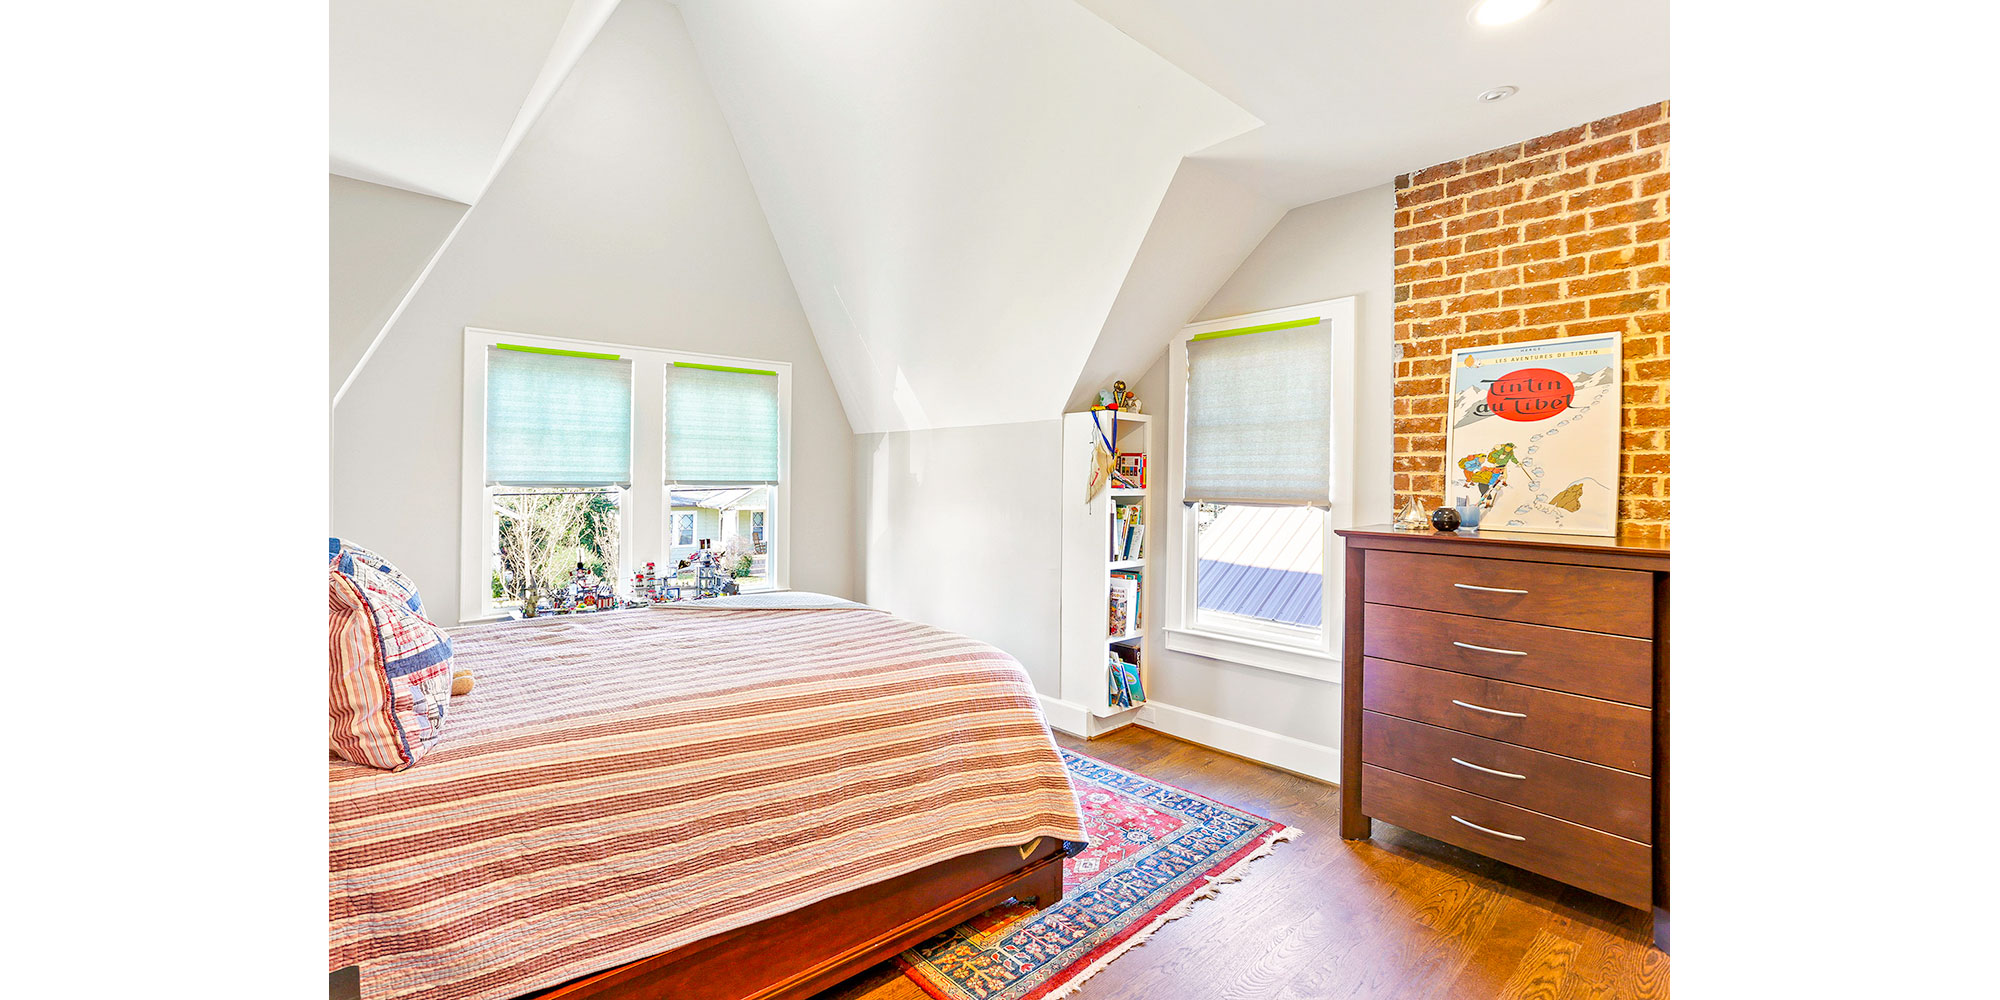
(1599,797)
(1592,729)
(1602,666)
(1617,601)
(1589,859)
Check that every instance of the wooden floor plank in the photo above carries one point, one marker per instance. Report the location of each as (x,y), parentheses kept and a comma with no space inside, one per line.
(1398,917)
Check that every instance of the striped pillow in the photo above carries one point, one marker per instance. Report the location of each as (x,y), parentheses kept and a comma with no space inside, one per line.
(374,571)
(390,674)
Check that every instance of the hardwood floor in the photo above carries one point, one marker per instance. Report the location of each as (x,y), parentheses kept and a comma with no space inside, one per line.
(1399,917)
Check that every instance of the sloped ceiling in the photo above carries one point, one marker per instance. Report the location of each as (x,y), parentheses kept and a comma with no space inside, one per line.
(1354,92)
(959,188)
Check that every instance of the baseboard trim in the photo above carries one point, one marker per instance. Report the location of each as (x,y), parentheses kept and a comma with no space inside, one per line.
(1065,717)
(1286,753)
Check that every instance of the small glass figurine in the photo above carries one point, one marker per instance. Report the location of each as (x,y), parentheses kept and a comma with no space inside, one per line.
(1413,518)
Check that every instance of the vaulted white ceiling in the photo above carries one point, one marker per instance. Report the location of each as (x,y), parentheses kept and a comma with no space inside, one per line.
(1354,92)
(958,188)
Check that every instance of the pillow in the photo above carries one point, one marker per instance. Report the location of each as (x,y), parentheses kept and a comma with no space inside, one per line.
(390,673)
(370,569)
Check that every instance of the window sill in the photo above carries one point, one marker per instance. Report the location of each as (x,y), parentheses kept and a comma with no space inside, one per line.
(1252,653)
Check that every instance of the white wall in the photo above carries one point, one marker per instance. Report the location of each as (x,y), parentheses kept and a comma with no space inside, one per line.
(961,531)
(1325,250)
(624,216)
(380,238)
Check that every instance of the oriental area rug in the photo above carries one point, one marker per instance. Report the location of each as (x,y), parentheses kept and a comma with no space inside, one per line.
(1154,850)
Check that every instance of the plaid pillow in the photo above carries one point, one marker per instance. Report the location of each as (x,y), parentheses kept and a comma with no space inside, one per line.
(390,673)
(374,571)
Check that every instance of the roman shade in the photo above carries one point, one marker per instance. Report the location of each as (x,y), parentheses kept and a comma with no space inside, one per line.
(1259,415)
(557,418)
(722,425)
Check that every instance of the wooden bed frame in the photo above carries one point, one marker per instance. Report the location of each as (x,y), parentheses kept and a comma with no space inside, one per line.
(795,955)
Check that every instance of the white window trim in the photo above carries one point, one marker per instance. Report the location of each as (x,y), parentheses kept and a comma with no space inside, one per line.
(643,510)
(1249,642)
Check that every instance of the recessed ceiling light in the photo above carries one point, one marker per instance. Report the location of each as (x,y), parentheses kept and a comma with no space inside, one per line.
(1497,94)
(1492,13)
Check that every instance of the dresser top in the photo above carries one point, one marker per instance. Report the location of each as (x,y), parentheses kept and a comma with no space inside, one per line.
(1510,544)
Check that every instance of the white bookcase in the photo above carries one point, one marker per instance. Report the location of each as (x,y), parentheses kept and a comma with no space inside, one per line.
(1088,564)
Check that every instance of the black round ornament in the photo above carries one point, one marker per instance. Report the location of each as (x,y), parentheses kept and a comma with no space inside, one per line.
(1444,519)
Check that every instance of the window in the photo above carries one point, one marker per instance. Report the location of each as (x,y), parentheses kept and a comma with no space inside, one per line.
(1261,432)
(561,440)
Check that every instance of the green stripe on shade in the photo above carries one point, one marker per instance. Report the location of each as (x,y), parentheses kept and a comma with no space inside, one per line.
(556,351)
(724,368)
(1255,329)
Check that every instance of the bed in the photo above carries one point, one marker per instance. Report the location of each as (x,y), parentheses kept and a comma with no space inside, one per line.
(741,797)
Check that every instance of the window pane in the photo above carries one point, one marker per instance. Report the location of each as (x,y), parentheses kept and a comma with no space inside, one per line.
(1259,562)
(557,546)
(718,540)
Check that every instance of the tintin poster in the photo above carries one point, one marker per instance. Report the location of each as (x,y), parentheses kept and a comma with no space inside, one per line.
(1533,435)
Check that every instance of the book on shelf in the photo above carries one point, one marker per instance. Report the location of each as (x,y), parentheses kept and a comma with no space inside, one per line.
(1124,604)
(1124,687)
(1131,468)
(1137,611)
(1128,532)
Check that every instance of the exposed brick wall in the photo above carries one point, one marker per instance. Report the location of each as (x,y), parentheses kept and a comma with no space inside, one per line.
(1559,236)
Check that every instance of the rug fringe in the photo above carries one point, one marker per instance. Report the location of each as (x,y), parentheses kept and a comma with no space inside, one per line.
(1214,884)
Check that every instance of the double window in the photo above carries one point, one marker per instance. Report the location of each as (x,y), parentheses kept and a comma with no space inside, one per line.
(1267,404)
(584,463)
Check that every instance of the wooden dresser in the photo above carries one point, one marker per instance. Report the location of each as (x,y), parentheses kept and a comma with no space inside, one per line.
(1507,693)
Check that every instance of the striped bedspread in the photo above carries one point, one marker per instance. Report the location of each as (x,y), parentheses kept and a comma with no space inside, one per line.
(619,785)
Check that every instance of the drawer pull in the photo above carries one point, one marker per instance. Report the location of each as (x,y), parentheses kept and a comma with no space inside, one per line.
(1496,833)
(1490,590)
(1489,649)
(1488,770)
(1491,711)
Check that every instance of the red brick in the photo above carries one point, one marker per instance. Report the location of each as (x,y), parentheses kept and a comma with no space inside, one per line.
(1419,234)
(1472,223)
(1438,173)
(1418,310)
(1479,261)
(1613,146)
(1652,464)
(1531,210)
(1628,120)
(1655,184)
(1655,276)
(1652,232)
(1407,197)
(1600,284)
(1530,294)
(1472,182)
(1473,303)
(1638,211)
(1561,225)
(1550,270)
(1554,313)
(1644,163)
(1442,286)
(1600,240)
(1591,328)
(1437,210)
(1442,248)
(1493,279)
(1596,197)
(1625,257)
(1492,321)
(1496,238)
(1653,136)
(1531,168)
(1554,140)
(1417,272)
(1528,333)
(1558,183)
(1495,198)
(1493,157)
(1402,255)
(1653,369)
(1547,250)
(1617,304)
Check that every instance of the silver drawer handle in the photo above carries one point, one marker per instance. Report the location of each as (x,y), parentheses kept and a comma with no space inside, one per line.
(1488,770)
(1494,711)
(1489,649)
(1490,590)
(1496,833)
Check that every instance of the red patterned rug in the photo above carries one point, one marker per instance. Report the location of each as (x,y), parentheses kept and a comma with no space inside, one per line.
(1154,850)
